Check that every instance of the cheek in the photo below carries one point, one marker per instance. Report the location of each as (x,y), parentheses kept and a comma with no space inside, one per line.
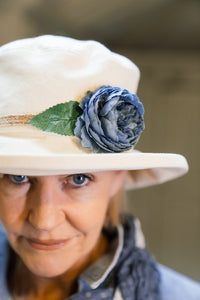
(12,209)
(88,213)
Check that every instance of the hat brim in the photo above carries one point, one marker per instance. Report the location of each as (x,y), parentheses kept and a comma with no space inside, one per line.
(144,168)
(29,151)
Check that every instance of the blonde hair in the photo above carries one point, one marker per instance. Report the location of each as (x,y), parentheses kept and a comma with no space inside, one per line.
(116,205)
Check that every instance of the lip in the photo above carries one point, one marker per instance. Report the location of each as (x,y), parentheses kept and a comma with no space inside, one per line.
(50,244)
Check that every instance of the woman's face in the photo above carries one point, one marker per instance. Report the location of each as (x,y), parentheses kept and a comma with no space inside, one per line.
(54,222)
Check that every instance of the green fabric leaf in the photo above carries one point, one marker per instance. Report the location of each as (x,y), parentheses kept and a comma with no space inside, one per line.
(60,118)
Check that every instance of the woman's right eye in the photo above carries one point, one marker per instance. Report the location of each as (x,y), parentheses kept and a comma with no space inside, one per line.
(18,179)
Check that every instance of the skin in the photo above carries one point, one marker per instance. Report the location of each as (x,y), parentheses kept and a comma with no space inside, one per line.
(54,225)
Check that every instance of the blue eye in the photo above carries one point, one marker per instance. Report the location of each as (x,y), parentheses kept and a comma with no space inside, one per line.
(18,178)
(80,179)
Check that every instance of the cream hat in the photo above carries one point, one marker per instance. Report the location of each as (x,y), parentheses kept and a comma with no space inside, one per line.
(39,73)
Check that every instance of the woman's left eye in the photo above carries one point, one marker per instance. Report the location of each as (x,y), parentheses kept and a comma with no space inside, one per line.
(18,178)
(79,179)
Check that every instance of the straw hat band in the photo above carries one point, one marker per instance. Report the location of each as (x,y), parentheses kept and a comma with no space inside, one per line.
(15,120)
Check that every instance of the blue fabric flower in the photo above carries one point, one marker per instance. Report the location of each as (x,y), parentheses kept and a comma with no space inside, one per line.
(112,120)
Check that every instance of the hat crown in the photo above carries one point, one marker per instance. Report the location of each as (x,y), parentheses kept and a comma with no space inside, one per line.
(40,72)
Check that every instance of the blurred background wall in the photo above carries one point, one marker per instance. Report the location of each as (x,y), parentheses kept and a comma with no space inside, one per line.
(163,38)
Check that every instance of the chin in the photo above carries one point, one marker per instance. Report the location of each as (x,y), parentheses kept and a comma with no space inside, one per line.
(47,268)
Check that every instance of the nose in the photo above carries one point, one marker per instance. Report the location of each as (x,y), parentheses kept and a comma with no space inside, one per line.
(45,211)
